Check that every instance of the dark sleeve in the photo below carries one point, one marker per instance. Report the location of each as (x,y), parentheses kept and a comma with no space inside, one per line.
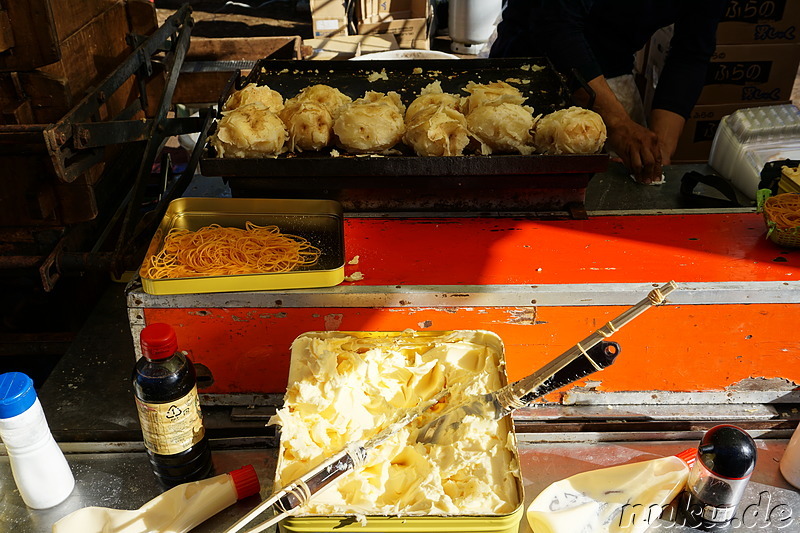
(692,45)
(554,28)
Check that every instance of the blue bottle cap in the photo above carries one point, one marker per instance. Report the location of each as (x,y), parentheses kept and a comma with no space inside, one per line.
(16,394)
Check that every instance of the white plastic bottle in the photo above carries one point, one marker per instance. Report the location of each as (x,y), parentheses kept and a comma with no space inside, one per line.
(790,462)
(40,470)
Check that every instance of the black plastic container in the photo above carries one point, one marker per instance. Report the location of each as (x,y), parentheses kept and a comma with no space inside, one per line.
(165,387)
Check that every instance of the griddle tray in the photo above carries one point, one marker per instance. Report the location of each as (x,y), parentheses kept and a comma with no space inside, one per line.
(543,87)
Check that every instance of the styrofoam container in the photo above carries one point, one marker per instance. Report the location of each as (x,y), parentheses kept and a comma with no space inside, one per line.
(748,139)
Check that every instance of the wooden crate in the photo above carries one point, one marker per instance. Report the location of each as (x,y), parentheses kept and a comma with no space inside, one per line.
(86,57)
(32,32)
(207,87)
(32,194)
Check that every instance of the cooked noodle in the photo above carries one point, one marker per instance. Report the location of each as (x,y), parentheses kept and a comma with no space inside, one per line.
(218,251)
(784,210)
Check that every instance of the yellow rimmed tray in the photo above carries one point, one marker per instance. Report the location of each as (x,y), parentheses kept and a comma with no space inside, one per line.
(410,342)
(319,221)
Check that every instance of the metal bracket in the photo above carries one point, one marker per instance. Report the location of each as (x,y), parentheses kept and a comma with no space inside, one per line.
(76,143)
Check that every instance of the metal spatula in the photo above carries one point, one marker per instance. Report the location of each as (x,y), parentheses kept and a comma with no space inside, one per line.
(577,362)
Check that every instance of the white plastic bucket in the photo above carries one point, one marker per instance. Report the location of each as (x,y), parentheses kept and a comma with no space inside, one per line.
(471,23)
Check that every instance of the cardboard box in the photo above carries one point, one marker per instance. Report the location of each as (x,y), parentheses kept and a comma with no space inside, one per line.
(349,46)
(754,74)
(760,22)
(763,73)
(694,144)
(408,20)
(383,10)
(329,18)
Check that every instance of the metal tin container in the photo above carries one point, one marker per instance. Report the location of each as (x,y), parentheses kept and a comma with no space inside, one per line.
(417,341)
(318,221)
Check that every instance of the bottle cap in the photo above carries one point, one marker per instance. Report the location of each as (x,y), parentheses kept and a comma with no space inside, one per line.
(158,341)
(728,451)
(246,482)
(688,456)
(16,394)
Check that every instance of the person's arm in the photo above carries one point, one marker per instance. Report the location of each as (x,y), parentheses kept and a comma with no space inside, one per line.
(560,29)
(668,127)
(637,146)
(681,81)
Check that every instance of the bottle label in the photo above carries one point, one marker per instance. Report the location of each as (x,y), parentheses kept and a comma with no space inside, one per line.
(172,427)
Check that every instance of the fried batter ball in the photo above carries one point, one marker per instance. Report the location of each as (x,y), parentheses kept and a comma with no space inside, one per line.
(310,125)
(391,99)
(330,98)
(502,127)
(251,130)
(491,93)
(253,93)
(371,124)
(574,130)
(437,131)
(432,95)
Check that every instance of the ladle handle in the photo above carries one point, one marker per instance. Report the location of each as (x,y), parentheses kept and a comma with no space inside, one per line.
(522,392)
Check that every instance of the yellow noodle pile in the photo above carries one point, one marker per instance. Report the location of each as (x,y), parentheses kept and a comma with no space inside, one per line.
(784,210)
(218,251)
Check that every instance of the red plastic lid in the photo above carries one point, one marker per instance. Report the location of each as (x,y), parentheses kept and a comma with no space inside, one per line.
(246,482)
(158,341)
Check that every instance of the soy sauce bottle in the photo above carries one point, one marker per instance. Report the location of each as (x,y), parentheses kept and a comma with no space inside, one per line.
(165,388)
(726,457)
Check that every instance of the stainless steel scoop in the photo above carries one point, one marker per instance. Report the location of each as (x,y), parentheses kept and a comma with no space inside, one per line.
(588,356)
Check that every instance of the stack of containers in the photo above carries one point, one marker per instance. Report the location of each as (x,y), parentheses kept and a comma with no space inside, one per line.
(748,139)
(755,64)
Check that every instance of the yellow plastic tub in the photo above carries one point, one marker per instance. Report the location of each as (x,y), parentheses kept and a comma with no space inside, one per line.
(414,341)
(319,221)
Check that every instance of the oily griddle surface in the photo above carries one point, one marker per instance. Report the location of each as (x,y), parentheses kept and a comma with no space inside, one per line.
(543,87)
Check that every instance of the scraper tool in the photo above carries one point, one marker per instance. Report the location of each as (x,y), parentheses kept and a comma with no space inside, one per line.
(577,362)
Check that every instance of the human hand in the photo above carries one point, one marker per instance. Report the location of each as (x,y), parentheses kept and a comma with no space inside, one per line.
(639,149)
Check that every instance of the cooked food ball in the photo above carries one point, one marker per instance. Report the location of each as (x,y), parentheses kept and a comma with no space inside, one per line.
(502,127)
(570,131)
(437,131)
(330,98)
(252,94)
(371,124)
(491,93)
(432,95)
(251,130)
(391,99)
(309,124)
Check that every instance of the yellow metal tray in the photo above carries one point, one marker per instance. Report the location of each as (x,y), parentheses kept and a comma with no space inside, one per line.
(415,341)
(319,221)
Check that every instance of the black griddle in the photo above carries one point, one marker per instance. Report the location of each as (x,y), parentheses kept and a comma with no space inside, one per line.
(438,179)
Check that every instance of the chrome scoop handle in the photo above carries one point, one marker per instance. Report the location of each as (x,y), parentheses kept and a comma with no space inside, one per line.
(522,392)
